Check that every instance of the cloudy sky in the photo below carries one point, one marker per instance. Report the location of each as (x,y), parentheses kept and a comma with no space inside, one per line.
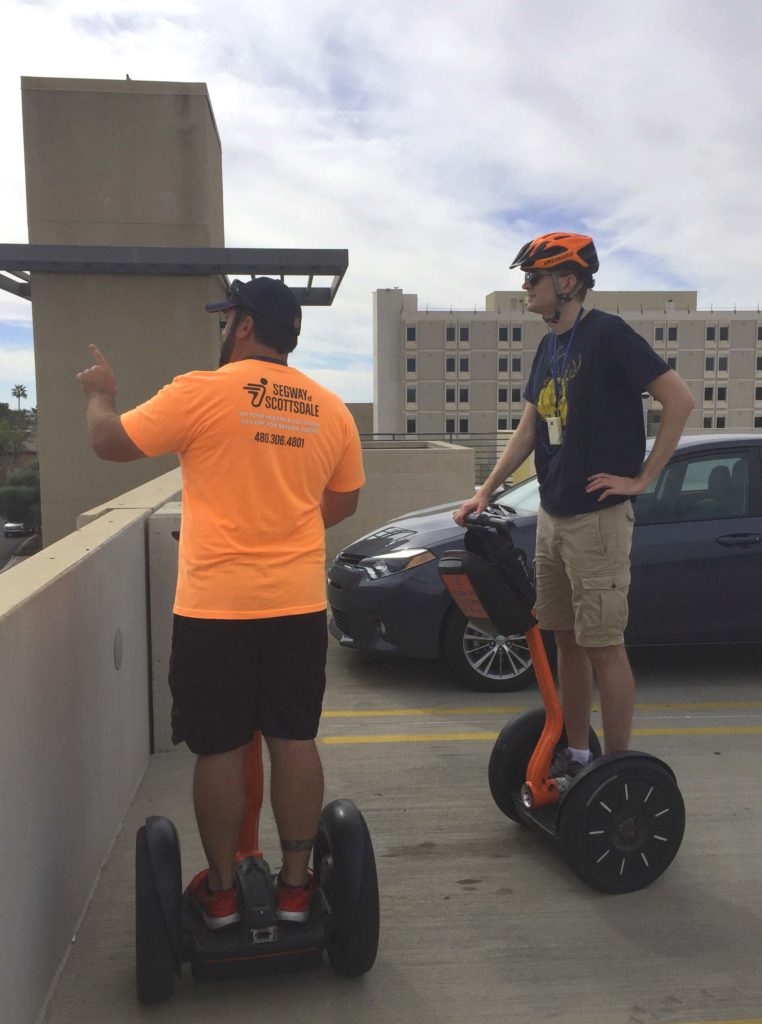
(432,140)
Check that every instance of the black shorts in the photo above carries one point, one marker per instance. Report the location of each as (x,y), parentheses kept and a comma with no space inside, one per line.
(231,677)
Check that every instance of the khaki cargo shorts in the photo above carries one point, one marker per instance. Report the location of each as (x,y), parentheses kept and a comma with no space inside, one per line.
(582,566)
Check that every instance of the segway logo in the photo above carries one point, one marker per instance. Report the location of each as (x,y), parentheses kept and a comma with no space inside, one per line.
(257,391)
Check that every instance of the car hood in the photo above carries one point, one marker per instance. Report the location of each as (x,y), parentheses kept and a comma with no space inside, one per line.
(425,528)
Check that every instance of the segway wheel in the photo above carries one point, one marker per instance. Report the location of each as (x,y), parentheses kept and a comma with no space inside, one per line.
(621,824)
(345,867)
(154,953)
(511,756)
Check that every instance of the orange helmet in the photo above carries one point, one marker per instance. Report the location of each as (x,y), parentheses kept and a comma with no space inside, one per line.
(559,250)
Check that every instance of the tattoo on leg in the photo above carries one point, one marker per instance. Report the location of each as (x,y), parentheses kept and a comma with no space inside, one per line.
(297,845)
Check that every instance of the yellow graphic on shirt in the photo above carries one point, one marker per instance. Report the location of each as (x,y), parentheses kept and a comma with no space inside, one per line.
(547,405)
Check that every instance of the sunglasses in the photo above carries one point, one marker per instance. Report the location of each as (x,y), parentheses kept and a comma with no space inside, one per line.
(533,276)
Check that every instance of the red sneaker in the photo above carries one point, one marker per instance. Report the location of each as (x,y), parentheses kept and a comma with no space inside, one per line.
(219,909)
(294,900)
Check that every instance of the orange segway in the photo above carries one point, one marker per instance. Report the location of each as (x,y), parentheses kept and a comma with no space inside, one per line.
(344,911)
(620,821)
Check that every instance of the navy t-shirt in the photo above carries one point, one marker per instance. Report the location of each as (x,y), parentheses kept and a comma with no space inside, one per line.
(598,400)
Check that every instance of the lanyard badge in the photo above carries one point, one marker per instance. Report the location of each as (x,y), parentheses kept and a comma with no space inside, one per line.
(555,426)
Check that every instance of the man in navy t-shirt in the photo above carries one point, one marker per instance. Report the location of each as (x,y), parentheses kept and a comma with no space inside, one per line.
(583,420)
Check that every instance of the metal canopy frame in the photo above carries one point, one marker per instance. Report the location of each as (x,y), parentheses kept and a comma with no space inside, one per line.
(18,262)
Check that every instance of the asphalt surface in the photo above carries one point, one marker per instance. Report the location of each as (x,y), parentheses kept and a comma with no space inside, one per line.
(481,921)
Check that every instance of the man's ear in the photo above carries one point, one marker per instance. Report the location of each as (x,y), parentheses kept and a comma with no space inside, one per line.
(246,328)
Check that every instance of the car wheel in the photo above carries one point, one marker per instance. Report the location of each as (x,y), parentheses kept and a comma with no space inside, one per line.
(483,659)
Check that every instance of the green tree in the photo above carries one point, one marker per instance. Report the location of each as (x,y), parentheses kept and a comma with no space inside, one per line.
(19,391)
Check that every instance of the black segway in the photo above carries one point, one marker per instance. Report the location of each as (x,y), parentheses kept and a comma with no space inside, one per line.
(344,912)
(620,821)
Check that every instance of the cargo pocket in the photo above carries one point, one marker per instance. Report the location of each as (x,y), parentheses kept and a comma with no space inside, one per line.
(602,614)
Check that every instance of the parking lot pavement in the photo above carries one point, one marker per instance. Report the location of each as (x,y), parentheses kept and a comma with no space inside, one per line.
(480,920)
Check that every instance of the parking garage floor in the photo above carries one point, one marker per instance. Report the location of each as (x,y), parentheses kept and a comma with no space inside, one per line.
(481,921)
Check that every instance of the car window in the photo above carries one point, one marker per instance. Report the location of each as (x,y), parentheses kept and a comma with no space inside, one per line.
(691,489)
(524,497)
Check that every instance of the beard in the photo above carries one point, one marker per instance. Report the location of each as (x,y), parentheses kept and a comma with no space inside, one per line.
(226,349)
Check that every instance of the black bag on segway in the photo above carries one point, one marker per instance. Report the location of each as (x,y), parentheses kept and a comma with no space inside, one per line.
(493,572)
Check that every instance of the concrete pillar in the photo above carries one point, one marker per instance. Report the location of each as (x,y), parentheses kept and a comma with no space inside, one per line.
(115,163)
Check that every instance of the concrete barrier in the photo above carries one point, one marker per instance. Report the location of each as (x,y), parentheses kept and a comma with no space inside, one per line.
(74,731)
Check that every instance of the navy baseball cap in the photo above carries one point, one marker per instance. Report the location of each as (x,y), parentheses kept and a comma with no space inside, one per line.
(264,298)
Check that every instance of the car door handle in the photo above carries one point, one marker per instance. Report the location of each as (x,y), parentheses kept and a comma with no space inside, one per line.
(740,540)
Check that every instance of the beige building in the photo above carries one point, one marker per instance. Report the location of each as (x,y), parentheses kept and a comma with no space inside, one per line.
(463,372)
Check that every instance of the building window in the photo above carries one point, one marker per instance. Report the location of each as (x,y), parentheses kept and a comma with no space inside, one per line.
(463,396)
(711,333)
(410,395)
(463,334)
(724,333)
(720,422)
(449,364)
(516,364)
(671,334)
(463,364)
(449,334)
(758,394)
(707,422)
(450,425)
(463,424)
(515,420)
(708,394)
(722,364)
(411,334)
(709,363)
(502,395)
(516,333)
(722,394)
(759,333)
(658,334)
(502,423)
(758,421)
(502,364)
(410,363)
(515,394)
(411,427)
(759,364)
(502,335)
(450,396)
(672,362)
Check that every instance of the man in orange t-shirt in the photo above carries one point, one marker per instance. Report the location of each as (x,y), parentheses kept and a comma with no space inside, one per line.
(269,458)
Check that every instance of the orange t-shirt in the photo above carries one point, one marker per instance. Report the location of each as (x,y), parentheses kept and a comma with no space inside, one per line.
(258,443)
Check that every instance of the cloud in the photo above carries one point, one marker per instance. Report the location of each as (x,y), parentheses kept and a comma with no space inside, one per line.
(432,141)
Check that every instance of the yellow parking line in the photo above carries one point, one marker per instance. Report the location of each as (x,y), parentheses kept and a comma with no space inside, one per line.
(443,737)
(514,710)
(391,712)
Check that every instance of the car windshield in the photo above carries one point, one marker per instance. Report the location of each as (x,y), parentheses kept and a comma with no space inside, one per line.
(523,498)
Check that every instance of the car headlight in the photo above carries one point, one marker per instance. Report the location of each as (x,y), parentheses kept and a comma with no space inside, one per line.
(395,561)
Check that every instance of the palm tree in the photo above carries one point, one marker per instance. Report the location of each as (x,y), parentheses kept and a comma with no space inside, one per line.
(19,391)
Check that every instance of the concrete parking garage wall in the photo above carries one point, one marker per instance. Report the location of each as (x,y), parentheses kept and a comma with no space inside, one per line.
(74,731)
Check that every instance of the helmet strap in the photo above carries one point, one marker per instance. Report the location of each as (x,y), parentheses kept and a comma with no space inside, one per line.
(561,298)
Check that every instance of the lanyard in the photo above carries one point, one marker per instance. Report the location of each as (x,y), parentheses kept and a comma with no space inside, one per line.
(554,356)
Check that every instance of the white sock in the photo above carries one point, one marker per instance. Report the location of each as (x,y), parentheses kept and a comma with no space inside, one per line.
(580,756)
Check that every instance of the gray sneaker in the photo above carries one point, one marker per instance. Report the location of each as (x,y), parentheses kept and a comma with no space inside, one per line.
(564,764)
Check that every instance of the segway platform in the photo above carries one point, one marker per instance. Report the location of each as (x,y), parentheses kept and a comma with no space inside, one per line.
(259,944)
